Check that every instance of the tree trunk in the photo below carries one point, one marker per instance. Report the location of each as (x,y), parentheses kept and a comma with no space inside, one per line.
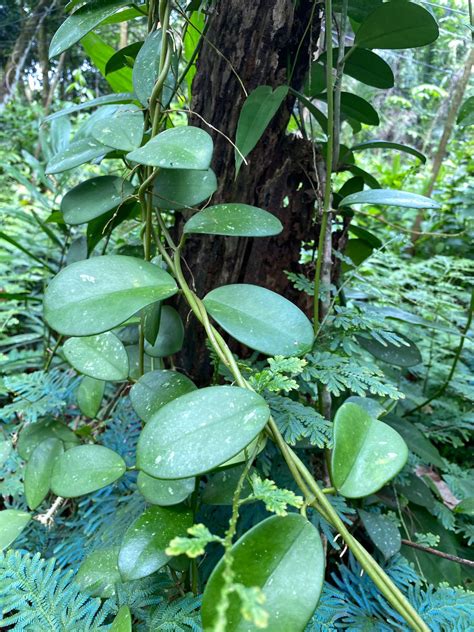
(459,86)
(22,47)
(253,44)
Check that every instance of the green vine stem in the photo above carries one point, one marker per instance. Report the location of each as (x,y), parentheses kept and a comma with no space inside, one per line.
(313,494)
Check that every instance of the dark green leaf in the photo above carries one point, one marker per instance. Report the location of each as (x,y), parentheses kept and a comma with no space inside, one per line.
(404,355)
(121,58)
(143,548)
(155,389)
(466,113)
(146,69)
(199,431)
(316,82)
(176,148)
(103,225)
(221,486)
(33,434)
(365,66)
(124,97)
(81,22)
(283,556)
(383,532)
(164,492)
(390,197)
(416,441)
(260,319)
(39,469)
(367,453)
(258,109)
(365,235)
(385,144)
(235,220)
(357,9)
(312,109)
(102,357)
(89,396)
(182,188)
(12,523)
(170,334)
(358,251)
(98,574)
(397,25)
(356,107)
(418,492)
(466,507)
(85,469)
(367,177)
(93,296)
(94,197)
(123,130)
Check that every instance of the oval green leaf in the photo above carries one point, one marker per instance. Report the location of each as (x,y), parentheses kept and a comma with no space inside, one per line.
(146,69)
(39,470)
(383,532)
(355,107)
(93,296)
(33,434)
(12,523)
(176,148)
(162,492)
(170,334)
(98,574)
(102,357)
(81,22)
(367,453)
(123,130)
(199,431)
(157,388)
(85,469)
(143,548)
(123,621)
(76,153)
(221,486)
(397,25)
(390,197)
(278,553)
(405,355)
(260,319)
(385,144)
(94,197)
(89,396)
(183,188)
(235,220)
(367,67)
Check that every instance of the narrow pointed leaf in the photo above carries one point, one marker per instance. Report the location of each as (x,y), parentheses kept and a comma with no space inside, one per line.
(236,220)
(176,148)
(102,357)
(85,469)
(385,144)
(123,97)
(260,319)
(390,197)
(12,523)
(367,453)
(157,388)
(94,197)
(283,556)
(81,22)
(199,431)
(158,491)
(121,58)
(39,470)
(183,188)
(77,153)
(143,548)
(355,107)
(405,355)
(257,111)
(93,296)
(396,25)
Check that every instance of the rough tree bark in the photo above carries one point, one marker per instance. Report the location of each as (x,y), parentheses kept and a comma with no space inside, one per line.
(253,44)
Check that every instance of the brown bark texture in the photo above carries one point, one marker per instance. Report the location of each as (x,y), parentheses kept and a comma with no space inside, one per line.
(253,44)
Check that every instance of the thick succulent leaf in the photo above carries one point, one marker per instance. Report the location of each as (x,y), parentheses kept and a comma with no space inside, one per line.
(283,556)
(367,453)
(235,220)
(93,296)
(405,355)
(98,574)
(89,396)
(170,334)
(102,357)
(260,319)
(390,197)
(33,434)
(158,491)
(176,148)
(183,188)
(143,548)
(12,523)
(157,388)
(94,197)
(39,470)
(199,431)
(85,469)
(77,153)
(123,130)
